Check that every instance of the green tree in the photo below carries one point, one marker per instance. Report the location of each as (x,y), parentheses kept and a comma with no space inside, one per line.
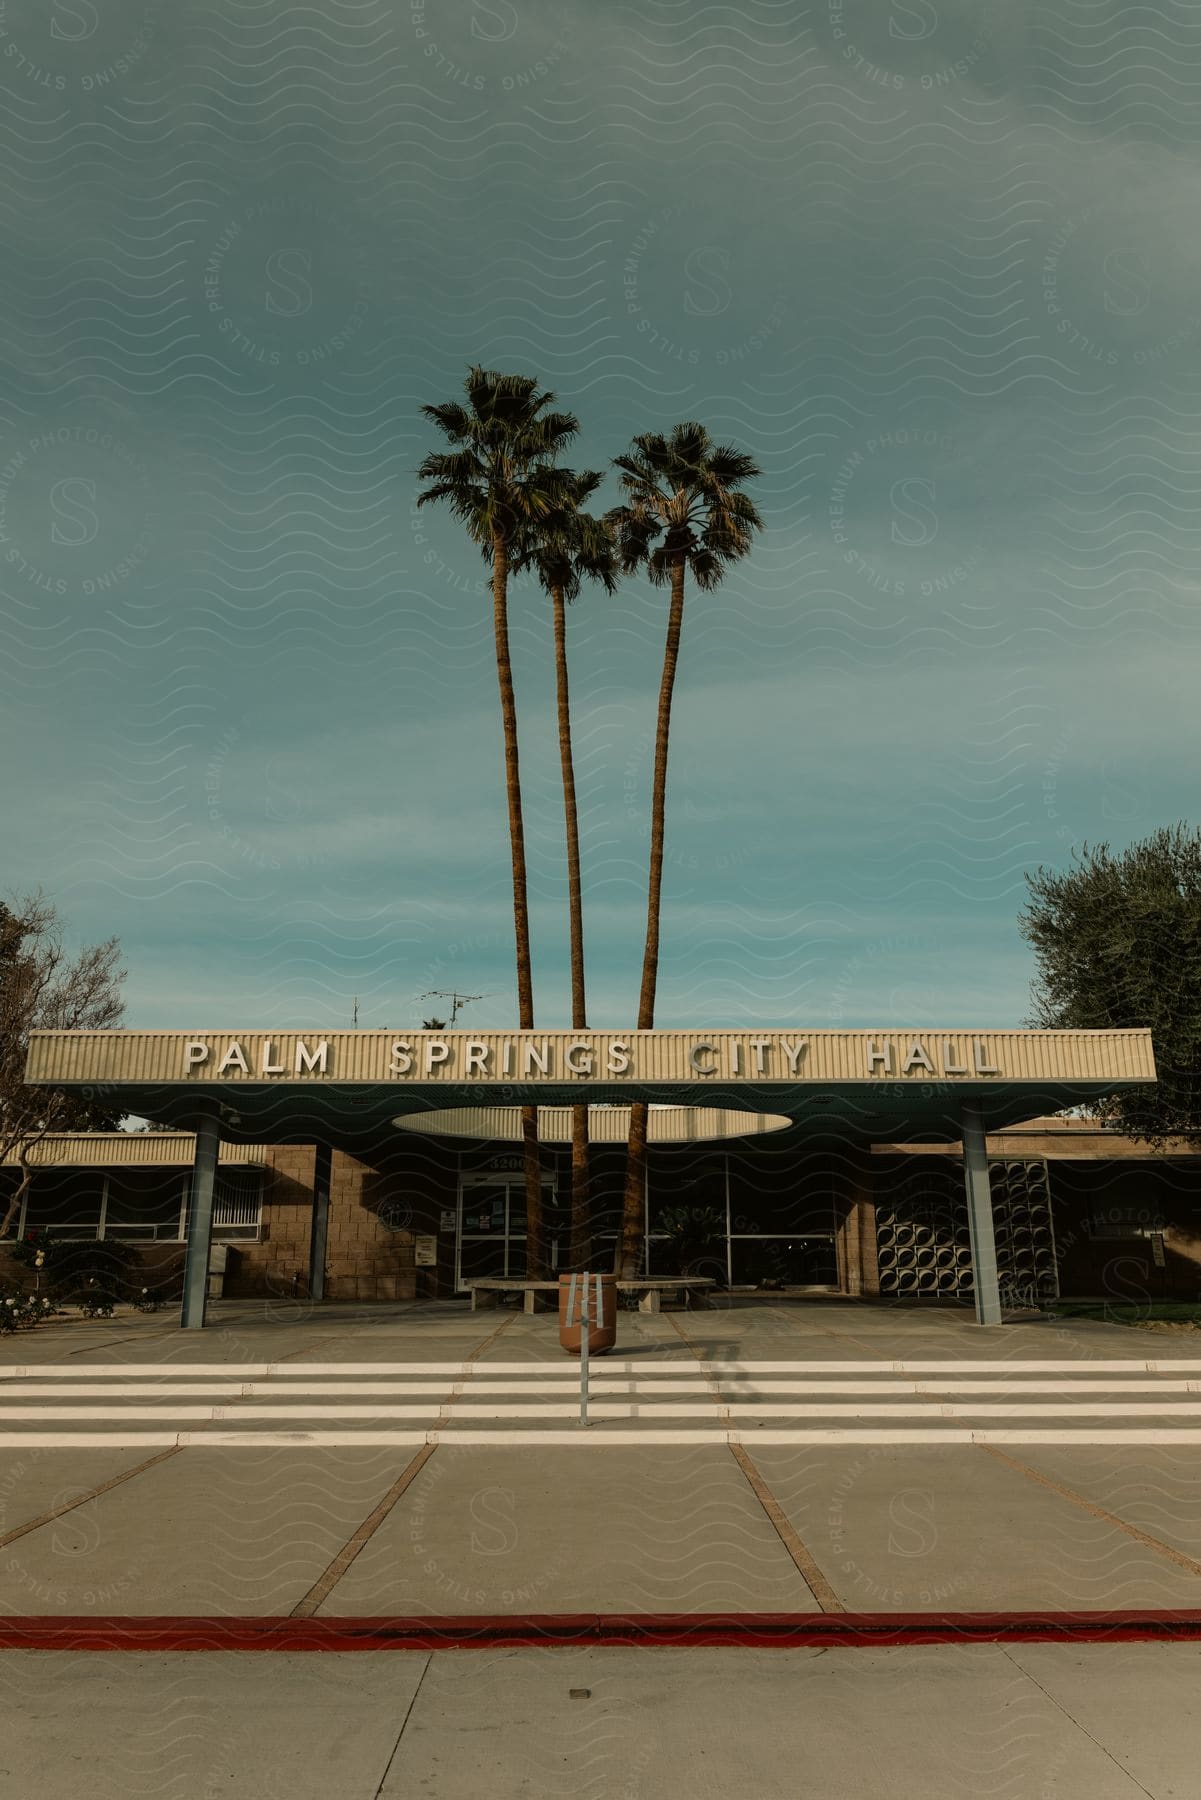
(568,548)
(498,479)
(1117,942)
(43,988)
(684,515)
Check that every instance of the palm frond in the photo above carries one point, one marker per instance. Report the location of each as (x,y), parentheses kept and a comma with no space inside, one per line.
(501,479)
(562,544)
(452,418)
(683,500)
(452,466)
(728,465)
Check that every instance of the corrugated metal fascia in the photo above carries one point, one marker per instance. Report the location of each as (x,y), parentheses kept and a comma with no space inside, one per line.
(129,1150)
(836,1057)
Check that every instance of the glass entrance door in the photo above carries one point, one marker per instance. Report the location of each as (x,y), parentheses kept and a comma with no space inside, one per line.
(491,1236)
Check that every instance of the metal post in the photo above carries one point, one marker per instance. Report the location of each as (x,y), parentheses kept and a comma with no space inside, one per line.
(585,1334)
(579,1284)
(729,1246)
(200,1223)
(980,1216)
(322,1160)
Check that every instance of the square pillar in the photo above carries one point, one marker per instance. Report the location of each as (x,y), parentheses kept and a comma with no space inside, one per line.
(855,1239)
(322,1163)
(200,1223)
(980,1215)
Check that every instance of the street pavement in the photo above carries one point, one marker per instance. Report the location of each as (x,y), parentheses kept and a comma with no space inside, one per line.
(1031,1722)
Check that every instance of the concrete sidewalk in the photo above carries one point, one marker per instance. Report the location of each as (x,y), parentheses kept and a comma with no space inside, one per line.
(492,1525)
(1039,1722)
(243,1330)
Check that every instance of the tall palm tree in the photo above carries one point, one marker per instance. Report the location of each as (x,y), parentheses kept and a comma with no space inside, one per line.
(566,549)
(498,479)
(684,515)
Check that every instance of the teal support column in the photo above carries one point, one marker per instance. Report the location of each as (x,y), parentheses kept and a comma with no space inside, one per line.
(321,1173)
(200,1223)
(979,1215)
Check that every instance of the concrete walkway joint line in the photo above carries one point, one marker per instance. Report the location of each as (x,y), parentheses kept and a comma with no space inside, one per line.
(803,1561)
(325,1584)
(1098,1512)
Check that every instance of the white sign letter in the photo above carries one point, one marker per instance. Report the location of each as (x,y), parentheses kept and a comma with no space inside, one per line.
(949,1065)
(619,1058)
(436,1051)
(917,1059)
(233,1058)
(312,1061)
(982,1067)
(759,1045)
(476,1058)
(402,1056)
(694,1058)
(539,1054)
(573,1059)
(266,1066)
(195,1053)
(878,1058)
(794,1052)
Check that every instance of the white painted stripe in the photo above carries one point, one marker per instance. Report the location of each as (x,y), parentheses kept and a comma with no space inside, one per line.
(233,1371)
(620,1409)
(212,1390)
(598,1437)
(217,1392)
(643,1366)
(947,1365)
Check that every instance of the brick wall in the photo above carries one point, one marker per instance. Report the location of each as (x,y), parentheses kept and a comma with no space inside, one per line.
(366,1259)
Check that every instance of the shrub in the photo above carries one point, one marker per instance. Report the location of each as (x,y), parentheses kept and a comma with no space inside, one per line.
(96,1301)
(93,1274)
(20,1311)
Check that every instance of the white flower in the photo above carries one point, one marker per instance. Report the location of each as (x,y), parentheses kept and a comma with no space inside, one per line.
(10,1302)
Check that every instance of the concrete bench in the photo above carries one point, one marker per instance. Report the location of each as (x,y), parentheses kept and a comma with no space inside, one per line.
(651,1289)
(486,1290)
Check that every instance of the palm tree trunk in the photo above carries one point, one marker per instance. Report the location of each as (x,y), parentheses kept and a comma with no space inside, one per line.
(632,1245)
(535,1254)
(581,1233)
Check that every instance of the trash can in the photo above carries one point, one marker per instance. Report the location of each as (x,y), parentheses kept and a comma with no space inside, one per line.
(603,1333)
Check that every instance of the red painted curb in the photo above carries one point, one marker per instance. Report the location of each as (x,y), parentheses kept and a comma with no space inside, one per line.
(751,1631)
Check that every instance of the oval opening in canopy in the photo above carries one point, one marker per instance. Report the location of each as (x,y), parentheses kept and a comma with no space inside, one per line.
(606,1124)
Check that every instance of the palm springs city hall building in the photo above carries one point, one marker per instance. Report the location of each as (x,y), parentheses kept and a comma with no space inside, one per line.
(939,1167)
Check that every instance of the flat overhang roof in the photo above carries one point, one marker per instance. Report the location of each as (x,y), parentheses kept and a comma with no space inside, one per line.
(348,1087)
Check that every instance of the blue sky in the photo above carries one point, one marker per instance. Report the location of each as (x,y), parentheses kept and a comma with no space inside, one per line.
(932,264)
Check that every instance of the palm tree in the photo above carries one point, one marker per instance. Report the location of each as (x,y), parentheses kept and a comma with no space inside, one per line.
(568,548)
(498,479)
(684,514)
